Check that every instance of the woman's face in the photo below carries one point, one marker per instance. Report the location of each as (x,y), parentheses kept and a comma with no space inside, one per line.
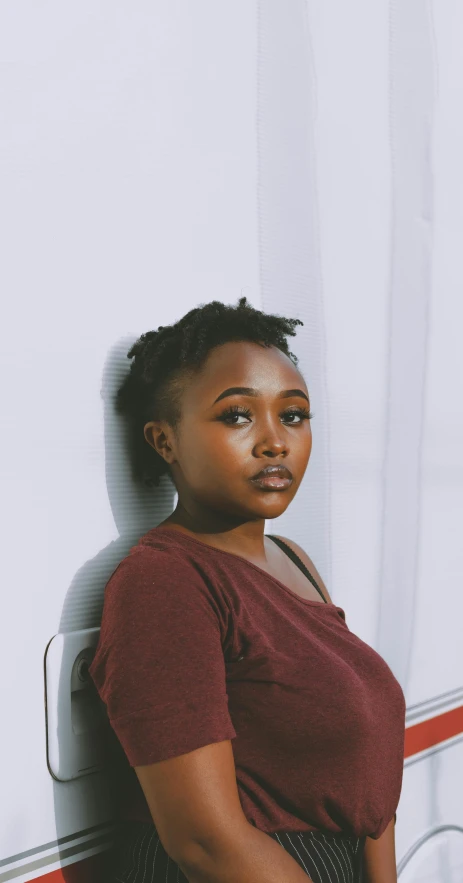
(213,455)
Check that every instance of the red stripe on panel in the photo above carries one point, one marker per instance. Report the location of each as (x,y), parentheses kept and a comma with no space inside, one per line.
(94,869)
(418,737)
(430,732)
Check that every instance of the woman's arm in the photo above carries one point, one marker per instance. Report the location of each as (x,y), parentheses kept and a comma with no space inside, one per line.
(379,859)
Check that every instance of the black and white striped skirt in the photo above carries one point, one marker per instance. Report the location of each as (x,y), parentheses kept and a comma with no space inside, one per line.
(139,856)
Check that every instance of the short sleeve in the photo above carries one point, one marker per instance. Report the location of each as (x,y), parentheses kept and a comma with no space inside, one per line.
(159,665)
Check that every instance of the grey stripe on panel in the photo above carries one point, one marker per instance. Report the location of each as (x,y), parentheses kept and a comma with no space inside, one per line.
(81,849)
(103,829)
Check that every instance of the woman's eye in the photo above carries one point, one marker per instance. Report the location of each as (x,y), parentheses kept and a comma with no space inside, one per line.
(228,415)
(303,414)
(231,413)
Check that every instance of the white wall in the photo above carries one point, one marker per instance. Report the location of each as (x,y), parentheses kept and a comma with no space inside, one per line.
(159,156)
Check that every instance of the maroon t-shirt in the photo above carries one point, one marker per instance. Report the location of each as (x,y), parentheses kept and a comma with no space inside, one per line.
(199,645)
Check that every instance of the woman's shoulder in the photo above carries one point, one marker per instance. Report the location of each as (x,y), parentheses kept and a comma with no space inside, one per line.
(302,554)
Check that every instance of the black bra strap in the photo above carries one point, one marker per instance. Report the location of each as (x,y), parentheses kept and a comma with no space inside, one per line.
(291,554)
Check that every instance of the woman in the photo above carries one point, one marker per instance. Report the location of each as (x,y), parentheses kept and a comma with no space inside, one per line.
(263,740)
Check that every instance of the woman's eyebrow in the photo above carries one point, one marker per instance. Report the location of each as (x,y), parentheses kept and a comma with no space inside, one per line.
(249,391)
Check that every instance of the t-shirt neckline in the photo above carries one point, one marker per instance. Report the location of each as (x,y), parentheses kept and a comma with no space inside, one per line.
(256,567)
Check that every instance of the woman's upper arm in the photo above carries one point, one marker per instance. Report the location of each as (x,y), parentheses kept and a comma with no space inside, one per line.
(159,668)
(193,799)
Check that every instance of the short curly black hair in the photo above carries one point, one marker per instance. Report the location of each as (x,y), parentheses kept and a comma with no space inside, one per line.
(164,359)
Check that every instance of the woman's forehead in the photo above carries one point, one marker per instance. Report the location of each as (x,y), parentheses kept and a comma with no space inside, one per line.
(248,373)
(248,364)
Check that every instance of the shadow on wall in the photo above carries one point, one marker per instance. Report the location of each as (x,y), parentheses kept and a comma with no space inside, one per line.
(85,807)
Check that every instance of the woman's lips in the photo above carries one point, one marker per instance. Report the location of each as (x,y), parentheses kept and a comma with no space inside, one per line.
(272,482)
